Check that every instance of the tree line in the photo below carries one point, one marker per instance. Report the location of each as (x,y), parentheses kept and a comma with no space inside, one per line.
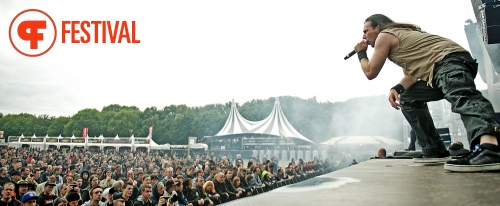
(173,124)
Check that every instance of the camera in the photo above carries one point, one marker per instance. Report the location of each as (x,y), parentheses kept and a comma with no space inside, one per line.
(173,198)
(159,201)
(73,187)
(170,199)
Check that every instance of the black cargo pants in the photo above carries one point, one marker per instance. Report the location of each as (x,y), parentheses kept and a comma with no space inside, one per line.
(454,81)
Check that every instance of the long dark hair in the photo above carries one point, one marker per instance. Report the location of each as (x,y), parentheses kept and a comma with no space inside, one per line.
(378,20)
(385,22)
(402,25)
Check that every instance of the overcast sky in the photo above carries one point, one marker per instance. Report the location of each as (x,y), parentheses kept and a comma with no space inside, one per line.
(206,52)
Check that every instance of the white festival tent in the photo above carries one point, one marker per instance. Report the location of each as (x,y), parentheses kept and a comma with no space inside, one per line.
(276,124)
(154,146)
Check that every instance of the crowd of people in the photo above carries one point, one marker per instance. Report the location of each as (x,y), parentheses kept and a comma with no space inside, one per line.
(114,178)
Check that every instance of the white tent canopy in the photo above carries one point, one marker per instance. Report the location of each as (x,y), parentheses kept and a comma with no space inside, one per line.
(236,124)
(155,146)
(276,124)
(198,146)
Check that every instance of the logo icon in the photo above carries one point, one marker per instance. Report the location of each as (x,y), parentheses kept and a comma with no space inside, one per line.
(32,32)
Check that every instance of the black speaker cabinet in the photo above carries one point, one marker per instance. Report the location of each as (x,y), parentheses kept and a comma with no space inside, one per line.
(489,1)
(490,16)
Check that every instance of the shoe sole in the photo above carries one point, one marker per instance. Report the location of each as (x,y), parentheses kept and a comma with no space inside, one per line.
(472,168)
(431,160)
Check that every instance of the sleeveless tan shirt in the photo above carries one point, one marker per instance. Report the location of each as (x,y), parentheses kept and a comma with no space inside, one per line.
(418,51)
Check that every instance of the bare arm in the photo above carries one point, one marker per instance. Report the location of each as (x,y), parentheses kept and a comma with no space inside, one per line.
(371,67)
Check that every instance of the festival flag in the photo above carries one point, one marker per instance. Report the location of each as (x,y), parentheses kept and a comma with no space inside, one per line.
(85,132)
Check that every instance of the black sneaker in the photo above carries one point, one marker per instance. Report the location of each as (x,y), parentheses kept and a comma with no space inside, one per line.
(443,157)
(485,157)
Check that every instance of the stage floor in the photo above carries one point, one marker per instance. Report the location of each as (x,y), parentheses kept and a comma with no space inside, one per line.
(387,182)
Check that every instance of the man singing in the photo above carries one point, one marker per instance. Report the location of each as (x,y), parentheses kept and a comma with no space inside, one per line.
(434,68)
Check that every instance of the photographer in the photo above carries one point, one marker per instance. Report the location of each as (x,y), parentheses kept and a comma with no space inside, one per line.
(178,189)
(170,196)
(164,202)
(74,188)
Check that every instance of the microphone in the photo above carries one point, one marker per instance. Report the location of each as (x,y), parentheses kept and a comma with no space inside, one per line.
(350,55)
